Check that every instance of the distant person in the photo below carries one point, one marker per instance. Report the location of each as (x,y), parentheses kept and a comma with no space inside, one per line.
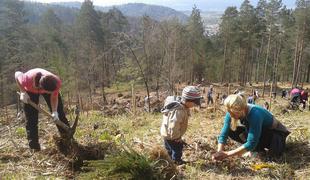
(284,93)
(32,84)
(210,95)
(224,96)
(304,97)
(295,95)
(266,105)
(176,113)
(259,130)
(218,96)
(256,95)
(236,91)
(274,95)
(147,102)
(251,99)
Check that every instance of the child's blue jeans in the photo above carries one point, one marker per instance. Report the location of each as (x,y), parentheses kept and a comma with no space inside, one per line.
(174,149)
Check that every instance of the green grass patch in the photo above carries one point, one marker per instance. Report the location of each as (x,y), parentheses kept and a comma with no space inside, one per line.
(125,164)
(21,132)
(105,136)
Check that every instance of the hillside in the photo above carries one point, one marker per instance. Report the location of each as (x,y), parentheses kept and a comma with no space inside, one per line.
(156,12)
(35,10)
(140,131)
(67,11)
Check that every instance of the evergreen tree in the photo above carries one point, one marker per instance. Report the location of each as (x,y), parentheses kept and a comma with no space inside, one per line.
(247,27)
(197,37)
(14,42)
(53,49)
(302,29)
(90,38)
(228,31)
(273,10)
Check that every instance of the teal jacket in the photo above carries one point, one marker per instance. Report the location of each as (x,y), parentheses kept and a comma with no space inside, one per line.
(256,119)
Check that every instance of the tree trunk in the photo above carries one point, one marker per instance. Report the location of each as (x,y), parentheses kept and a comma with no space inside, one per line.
(259,55)
(192,68)
(174,61)
(239,64)
(224,64)
(276,66)
(229,73)
(90,88)
(257,66)
(144,78)
(300,55)
(266,62)
(252,65)
(295,62)
(104,99)
(308,74)
(1,87)
(159,70)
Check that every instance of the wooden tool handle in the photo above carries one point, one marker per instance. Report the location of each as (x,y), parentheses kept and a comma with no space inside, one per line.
(58,122)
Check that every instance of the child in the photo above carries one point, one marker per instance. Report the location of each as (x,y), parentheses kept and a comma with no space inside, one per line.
(175,120)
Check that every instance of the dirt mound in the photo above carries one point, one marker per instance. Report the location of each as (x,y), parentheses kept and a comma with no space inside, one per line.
(77,153)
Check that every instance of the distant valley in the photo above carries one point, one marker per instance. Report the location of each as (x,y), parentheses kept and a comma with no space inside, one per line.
(67,11)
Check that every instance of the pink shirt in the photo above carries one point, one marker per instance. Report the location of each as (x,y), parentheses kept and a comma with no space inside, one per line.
(27,81)
(295,91)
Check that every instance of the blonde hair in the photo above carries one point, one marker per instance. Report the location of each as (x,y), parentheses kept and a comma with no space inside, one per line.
(235,103)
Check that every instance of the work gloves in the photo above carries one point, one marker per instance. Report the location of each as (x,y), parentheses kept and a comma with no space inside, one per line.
(55,116)
(24,97)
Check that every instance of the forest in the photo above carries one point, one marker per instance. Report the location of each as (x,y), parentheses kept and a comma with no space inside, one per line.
(266,43)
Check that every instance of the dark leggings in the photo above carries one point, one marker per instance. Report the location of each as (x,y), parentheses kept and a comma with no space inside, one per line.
(32,118)
(270,139)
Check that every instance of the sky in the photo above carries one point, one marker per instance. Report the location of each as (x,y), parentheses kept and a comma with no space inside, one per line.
(176,4)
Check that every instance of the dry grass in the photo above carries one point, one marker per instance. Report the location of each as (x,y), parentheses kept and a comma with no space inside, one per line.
(141,132)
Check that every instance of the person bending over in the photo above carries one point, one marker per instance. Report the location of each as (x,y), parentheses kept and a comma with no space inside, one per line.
(32,84)
(259,129)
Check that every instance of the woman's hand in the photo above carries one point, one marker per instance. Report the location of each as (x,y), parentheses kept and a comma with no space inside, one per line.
(219,156)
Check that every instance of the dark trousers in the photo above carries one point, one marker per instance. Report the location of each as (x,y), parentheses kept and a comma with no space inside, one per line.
(32,118)
(283,94)
(304,102)
(210,99)
(296,98)
(270,139)
(174,149)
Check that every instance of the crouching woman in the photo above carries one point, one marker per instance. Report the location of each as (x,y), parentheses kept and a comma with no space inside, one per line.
(258,129)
